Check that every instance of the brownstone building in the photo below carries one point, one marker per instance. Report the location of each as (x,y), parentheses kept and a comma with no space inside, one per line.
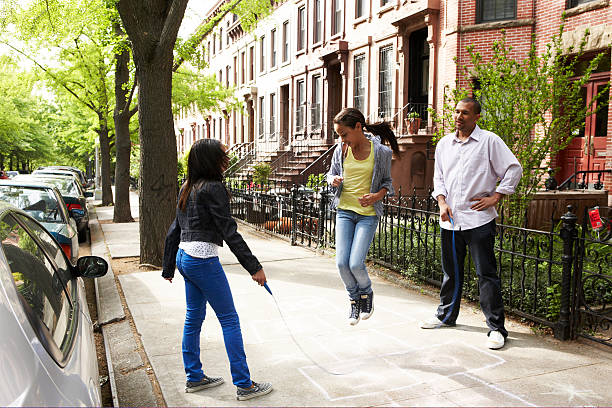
(389,58)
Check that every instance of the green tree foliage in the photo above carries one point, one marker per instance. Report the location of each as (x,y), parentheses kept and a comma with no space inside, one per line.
(24,119)
(204,92)
(534,105)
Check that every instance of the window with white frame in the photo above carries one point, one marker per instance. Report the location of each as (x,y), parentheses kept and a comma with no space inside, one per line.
(300,100)
(301,34)
(262,115)
(285,41)
(317,23)
(315,108)
(243,67)
(220,38)
(273,48)
(251,63)
(359,83)
(359,8)
(262,53)
(272,115)
(385,82)
(337,16)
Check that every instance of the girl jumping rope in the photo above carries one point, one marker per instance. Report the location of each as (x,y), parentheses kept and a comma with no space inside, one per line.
(360,172)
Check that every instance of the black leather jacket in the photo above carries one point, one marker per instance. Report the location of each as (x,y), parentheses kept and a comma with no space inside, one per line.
(207,218)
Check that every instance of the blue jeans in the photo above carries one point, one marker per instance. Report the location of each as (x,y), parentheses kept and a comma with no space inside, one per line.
(205,281)
(354,234)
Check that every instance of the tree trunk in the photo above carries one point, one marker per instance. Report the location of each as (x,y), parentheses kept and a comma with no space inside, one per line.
(123,144)
(158,160)
(107,192)
(152,27)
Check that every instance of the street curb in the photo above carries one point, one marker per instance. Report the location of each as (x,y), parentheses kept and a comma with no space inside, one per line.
(98,249)
(125,365)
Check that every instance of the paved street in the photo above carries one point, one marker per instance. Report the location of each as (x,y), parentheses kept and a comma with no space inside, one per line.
(385,361)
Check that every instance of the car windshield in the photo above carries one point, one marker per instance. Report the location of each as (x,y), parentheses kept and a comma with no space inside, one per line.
(66,186)
(40,203)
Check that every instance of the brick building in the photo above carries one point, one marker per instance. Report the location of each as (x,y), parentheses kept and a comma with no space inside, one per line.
(310,58)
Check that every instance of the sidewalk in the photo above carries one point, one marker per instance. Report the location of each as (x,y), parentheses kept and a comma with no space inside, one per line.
(388,359)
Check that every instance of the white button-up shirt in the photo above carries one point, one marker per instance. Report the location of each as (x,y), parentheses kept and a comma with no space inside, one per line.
(470,169)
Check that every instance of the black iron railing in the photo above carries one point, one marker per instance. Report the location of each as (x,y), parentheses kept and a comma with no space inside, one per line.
(580,180)
(555,278)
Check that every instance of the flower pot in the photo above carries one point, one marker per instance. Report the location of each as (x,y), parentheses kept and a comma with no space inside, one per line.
(414,124)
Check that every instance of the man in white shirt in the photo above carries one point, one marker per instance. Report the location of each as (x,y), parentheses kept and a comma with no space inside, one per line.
(468,165)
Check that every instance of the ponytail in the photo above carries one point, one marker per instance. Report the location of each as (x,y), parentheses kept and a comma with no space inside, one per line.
(386,134)
(351,116)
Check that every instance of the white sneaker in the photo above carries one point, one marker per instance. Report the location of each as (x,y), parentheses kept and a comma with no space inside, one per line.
(495,340)
(432,323)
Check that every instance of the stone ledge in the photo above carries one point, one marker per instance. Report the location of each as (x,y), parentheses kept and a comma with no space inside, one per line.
(583,8)
(496,25)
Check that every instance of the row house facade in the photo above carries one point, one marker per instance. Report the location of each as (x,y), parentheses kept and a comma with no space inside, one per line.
(388,58)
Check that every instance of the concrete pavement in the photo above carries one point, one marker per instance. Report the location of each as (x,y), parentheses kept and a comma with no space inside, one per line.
(387,360)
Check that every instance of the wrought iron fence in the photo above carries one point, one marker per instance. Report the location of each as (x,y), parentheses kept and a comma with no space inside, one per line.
(541,280)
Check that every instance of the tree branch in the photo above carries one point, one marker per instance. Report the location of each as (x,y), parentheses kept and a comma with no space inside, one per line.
(172,24)
(55,79)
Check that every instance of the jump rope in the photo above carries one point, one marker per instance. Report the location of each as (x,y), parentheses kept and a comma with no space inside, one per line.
(312,360)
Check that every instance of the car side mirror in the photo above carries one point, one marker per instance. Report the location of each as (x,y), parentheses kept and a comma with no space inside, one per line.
(88,193)
(91,266)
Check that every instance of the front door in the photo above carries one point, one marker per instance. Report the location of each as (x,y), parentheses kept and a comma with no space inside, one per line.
(588,149)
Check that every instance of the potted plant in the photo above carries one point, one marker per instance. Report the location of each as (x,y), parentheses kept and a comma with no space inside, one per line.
(413,122)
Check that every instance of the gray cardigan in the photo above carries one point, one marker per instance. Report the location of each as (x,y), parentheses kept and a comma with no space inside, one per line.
(381,176)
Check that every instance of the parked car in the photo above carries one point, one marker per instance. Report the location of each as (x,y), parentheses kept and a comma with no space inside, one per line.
(76,171)
(12,173)
(45,204)
(48,349)
(73,195)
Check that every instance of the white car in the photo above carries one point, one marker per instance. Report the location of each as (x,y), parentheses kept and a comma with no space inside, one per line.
(47,348)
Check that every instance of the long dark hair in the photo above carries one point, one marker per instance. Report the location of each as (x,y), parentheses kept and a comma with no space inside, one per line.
(351,116)
(206,162)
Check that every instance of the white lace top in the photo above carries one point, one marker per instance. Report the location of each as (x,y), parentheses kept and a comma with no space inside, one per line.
(199,249)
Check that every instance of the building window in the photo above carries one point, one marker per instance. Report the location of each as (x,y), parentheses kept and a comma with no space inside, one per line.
(236,70)
(285,41)
(384,3)
(272,115)
(214,43)
(251,63)
(242,66)
(576,3)
(301,35)
(262,115)
(359,89)
(227,76)
(316,31)
(494,10)
(337,16)
(273,48)
(359,8)
(262,53)
(385,82)
(315,108)
(220,38)
(299,109)
(208,51)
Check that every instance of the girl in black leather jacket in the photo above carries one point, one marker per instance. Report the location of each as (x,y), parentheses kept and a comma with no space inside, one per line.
(203,221)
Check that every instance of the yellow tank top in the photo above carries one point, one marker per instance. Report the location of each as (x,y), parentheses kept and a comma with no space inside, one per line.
(357,182)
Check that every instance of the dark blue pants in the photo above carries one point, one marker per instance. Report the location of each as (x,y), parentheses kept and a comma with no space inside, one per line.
(480,241)
(205,281)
